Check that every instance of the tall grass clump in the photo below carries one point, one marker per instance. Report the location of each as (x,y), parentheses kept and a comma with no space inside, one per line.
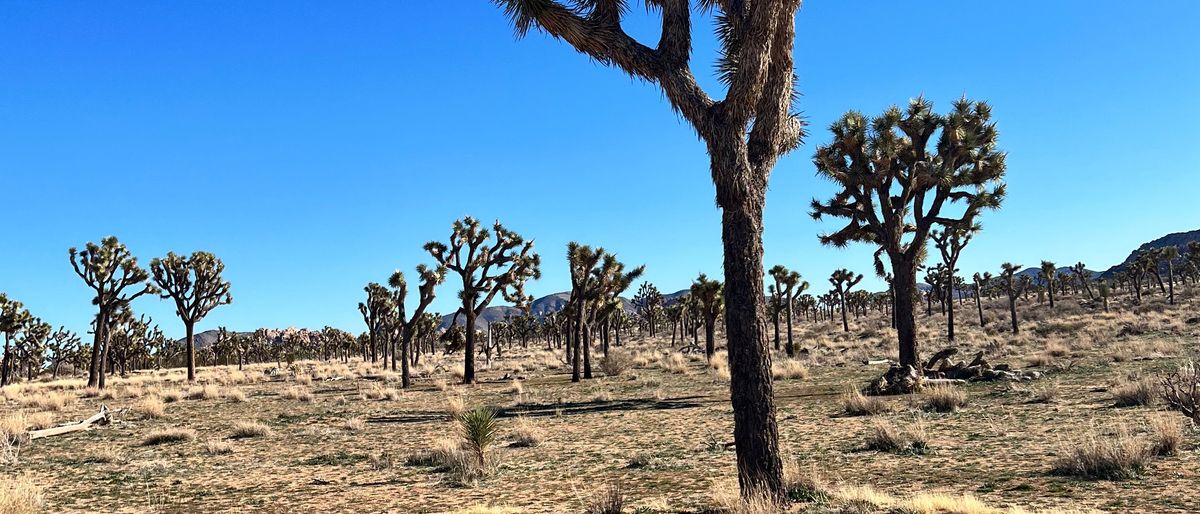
(1103,457)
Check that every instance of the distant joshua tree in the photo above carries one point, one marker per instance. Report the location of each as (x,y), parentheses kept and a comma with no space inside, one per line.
(647,303)
(897,174)
(1048,274)
(1105,290)
(710,295)
(62,345)
(1084,277)
(13,319)
(408,325)
(488,268)
(950,244)
(1014,288)
(109,269)
(745,133)
(788,286)
(1168,255)
(377,313)
(843,280)
(980,282)
(196,285)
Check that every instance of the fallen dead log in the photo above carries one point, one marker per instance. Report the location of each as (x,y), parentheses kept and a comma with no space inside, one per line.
(943,381)
(101,418)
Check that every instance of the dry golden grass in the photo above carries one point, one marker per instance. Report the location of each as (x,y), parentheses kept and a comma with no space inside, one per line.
(296,393)
(247,429)
(942,399)
(1167,435)
(854,403)
(39,420)
(1134,393)
(171,396)
(150,407)
(21,495)
(103,455)
(1108,456)
(215,447)
(525,433)
(789,369)
(886,437)
(169,435)
(49,400)
(205,392)
(673,363)
(355,425)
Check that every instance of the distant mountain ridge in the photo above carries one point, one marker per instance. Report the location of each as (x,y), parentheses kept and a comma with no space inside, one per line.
(1178,239)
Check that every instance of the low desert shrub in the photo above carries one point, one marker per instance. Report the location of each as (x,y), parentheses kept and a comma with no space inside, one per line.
(942,399)
(673,363)
(248,429)
(150,407)
(355,425)
(788,369)
(609,501)
(525,434)
(20,495)
(169,435)
(235,395)
(885,437)
(1167,436)
(1134,393)
(297,393)
(206,392)
(854,403)
(1103,456)
(215,447)
(616,363)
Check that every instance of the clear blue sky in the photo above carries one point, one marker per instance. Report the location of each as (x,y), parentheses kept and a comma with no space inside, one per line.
(314,146)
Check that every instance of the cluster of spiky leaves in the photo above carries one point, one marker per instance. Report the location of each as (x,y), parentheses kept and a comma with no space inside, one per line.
(109,268)
(194,283)
(709,293)
(900,172)
(488,267)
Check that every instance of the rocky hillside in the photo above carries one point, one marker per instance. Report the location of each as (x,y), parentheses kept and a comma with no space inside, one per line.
(1178,239)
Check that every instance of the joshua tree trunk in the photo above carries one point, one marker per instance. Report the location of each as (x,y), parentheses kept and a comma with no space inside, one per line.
(979,305)
(190,327)
(576,345)
(950,315)
(755,433)
(1012,310)
(469,347)
(1050,289)
(4,362)
(791,347)
(776,321)
(710,345)
(905,284)
(587,350)
(1171,282)
(96,370)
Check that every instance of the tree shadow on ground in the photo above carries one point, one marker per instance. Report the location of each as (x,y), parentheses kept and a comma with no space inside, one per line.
(556,409)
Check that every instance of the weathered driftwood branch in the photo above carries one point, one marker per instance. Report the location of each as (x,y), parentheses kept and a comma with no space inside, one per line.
(101,418)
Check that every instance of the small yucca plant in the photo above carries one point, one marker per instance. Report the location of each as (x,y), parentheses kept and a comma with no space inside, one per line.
(478,428)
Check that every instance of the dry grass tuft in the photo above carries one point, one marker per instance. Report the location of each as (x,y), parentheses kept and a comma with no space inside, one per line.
(235,395)
(1167,436)
(854,403)
(609,501)
(616,363)
(355,425)
(885,437)
(1103,456)
(516,388)
(207,392)
(49,400)
(247,429)
(102,455)
(789,369)
(455,406)
(673,363)
(215,447)
(40,420)
(719,365)
(20,495)
(171,396)
(169,435)
(13,426)
(942,399)
(296,393)
(150,407)
(525,434)
(1134,393)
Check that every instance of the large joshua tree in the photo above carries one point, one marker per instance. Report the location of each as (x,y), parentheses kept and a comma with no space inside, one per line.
(196,285)
(902,174)
(745,133)
(1084,276)
(112,272)
(430,279)
(843,281)
(489,266)
(950,244)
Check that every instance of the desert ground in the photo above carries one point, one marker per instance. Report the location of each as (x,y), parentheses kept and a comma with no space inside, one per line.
(652,434)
